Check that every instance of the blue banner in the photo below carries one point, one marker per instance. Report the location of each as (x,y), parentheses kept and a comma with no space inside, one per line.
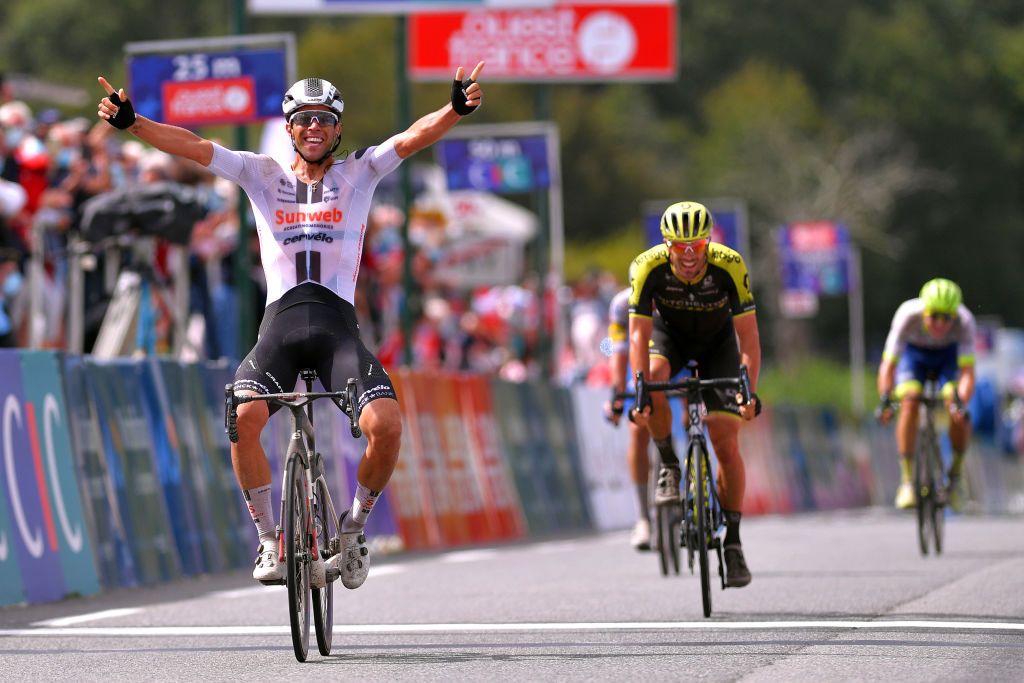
(815,257)
(500,164)
(35,541)
(45,408)
(186,86)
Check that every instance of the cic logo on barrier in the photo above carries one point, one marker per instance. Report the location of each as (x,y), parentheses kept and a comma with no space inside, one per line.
(25,475)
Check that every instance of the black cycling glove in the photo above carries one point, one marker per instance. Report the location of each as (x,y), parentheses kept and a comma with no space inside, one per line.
(459,98)
(125,116)
(756,400)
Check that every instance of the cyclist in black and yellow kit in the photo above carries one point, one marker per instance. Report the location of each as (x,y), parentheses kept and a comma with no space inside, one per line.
(691,300)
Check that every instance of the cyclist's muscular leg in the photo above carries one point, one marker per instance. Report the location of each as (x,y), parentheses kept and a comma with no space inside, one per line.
(636,456)
(660,424)
(732,478)
(906,426)
(381,422)
(247,457)
(959,431)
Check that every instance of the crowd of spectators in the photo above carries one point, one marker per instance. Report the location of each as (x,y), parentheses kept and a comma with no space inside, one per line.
(51,166)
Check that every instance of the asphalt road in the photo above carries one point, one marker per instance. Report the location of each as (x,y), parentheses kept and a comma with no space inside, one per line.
(838,596)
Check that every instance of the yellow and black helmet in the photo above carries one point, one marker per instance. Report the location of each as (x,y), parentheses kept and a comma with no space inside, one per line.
(686,222)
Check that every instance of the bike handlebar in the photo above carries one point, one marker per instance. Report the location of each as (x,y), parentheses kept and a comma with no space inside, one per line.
(690,384)
(345,400)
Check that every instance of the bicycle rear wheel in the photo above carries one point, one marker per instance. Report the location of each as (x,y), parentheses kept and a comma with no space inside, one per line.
(323,598)
(702,517)
(296,539)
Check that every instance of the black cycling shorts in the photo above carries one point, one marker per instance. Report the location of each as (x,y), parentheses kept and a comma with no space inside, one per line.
(311,327)
(719,359)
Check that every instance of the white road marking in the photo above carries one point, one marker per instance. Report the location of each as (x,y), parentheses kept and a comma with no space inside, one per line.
(386,569)
(92,616)
(254,591)
(243,592)
(351,629)
(469,556)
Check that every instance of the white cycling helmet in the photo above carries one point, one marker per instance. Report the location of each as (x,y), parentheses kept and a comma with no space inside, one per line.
(312,91)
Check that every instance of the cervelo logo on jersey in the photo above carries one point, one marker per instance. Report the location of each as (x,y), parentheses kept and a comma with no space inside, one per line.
(44,534)
(308,237)
(332,215)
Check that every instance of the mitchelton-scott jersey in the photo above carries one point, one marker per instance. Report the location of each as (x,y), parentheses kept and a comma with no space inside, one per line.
(309,232)
(700,309)
(908,329)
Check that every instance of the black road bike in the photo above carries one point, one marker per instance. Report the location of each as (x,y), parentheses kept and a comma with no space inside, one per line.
(697,523)
(308,533)
(929,476)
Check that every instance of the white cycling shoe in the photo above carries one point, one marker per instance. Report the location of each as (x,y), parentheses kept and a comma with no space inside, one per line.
(353,562)
(268,569)
(640,538)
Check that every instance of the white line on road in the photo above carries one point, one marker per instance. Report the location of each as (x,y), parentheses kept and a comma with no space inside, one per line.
(469,556)
(92,616)
(164,631)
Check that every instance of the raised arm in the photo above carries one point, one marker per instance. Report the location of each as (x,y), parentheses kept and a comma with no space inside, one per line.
(117,110)
(467,95)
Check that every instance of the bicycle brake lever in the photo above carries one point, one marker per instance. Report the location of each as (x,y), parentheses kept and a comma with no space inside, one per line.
(744,384)
(230,413)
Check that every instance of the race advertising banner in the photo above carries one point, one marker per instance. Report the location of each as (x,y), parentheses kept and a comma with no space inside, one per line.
(815,257)
(570,41)
(381,6)
(501,164)
(196,88)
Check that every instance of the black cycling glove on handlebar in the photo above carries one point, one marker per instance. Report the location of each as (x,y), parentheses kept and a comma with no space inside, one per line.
(459,98)
(125,116)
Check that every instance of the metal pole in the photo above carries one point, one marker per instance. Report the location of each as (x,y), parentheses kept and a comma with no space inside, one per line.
(76,295)
(404,115)
(557,264)
(243,283)
(547,349)
(856,301)
(36,318)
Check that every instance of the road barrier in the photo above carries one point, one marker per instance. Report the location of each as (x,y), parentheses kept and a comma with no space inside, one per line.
(118,472)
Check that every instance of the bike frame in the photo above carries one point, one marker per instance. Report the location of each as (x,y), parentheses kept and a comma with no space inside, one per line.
(303,441)
(704,492)
(303,537)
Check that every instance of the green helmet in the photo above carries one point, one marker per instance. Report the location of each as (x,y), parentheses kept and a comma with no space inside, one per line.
(941,296)
(686,222)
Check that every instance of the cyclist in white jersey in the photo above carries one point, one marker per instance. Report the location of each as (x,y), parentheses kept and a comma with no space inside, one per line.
(639,438)
(931,334)
(311,220)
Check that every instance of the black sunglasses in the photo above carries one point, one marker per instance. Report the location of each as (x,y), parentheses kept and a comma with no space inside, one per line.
(305,118)
(940,317)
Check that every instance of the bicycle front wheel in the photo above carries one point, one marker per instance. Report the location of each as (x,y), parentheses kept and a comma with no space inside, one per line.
(702,515)
(938,504)
(925,498)
(323,598)
(296,540)
(668,538)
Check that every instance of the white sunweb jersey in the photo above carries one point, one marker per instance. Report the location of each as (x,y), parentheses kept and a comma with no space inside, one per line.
(314,232)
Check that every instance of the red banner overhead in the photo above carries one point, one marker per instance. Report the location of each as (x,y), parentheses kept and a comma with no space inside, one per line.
(568,42)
